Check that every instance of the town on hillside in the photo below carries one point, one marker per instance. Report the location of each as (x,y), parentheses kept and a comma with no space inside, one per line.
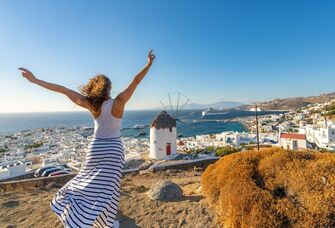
(61,150)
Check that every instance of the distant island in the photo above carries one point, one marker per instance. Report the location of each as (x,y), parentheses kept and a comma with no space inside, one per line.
(216,105)
(291,103)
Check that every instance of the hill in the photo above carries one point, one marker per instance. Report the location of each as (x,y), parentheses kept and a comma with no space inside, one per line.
(292,103)
(216,105)
(272,188)
(31,208)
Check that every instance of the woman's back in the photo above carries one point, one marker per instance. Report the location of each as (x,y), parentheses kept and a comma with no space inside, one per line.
(106,125)
(99,179)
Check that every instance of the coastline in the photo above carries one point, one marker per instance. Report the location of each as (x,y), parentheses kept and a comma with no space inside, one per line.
(246,125)
(245,121)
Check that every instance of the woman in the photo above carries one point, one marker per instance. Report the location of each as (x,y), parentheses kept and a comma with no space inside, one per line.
(91,198)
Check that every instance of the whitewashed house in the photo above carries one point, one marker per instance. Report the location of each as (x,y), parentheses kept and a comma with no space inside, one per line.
(293,141)
(323,136)
(48,161)
(220,144)
(230,138)
(12,169)
(163,137)
(285,126)
(236,138)
(192,144)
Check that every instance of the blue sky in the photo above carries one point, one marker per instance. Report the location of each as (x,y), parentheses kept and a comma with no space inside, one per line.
(209,50)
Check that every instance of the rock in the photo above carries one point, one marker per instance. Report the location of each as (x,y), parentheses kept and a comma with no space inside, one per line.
(145,165)
(11,204)
(181,222)
(165,191)
(134,163)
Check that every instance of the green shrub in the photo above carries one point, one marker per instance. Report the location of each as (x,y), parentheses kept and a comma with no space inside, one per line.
(34,145)
(225,151)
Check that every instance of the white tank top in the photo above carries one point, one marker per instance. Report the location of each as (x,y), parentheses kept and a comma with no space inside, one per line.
(106,125)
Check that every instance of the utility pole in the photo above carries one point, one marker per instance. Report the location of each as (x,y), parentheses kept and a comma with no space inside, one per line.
(257,130)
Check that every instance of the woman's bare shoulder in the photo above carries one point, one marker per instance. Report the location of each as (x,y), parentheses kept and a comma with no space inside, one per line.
(117,108)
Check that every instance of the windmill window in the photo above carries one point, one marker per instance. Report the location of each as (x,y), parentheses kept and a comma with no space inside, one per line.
(170,129)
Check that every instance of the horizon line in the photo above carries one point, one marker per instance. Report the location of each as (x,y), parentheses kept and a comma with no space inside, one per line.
(29,112)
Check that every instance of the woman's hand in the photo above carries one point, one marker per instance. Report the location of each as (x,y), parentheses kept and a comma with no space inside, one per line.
(151,57)
(28,75)
(125,95)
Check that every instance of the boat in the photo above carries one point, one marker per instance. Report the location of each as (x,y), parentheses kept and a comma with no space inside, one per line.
(254,109)
(213,112)
(140,134)
(138,126)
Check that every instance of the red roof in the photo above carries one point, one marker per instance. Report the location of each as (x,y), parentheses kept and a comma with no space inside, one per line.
(292,136)
(181,143)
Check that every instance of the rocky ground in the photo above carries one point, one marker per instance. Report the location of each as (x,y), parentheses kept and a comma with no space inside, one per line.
(31,209)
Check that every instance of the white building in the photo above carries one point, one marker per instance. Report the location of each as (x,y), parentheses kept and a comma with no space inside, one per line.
(293,141)
(285,126)
(50,161)
(192,145)
(236,138)
(163,137)
(323,136)
(12,169)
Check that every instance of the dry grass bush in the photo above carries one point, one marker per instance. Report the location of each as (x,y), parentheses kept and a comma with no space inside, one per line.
(272,188)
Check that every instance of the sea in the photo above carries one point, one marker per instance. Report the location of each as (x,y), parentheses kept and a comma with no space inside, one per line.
(189,122)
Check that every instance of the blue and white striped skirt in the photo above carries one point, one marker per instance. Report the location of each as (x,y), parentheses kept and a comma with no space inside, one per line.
(91,198)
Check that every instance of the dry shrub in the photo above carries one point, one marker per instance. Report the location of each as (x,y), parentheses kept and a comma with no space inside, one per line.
(272,188)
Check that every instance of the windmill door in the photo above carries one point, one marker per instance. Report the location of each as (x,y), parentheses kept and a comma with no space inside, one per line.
(168,149)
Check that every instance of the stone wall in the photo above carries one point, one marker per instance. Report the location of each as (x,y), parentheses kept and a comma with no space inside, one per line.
(28,175)
(184,165)
(35,183)
(40,183)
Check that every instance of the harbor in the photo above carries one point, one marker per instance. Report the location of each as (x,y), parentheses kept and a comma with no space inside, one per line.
(151,144)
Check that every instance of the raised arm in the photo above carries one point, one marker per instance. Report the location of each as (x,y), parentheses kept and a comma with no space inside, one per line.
(74,96)
(124,96)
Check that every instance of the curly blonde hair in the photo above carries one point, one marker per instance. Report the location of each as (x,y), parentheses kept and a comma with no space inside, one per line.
(96,91)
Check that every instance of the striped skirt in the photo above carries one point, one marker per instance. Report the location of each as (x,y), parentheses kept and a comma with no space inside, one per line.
(91,198)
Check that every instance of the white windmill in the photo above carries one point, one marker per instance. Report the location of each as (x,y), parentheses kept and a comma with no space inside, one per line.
(163,129)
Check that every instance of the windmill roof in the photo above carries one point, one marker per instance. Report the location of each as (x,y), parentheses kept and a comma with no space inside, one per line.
(163,120)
